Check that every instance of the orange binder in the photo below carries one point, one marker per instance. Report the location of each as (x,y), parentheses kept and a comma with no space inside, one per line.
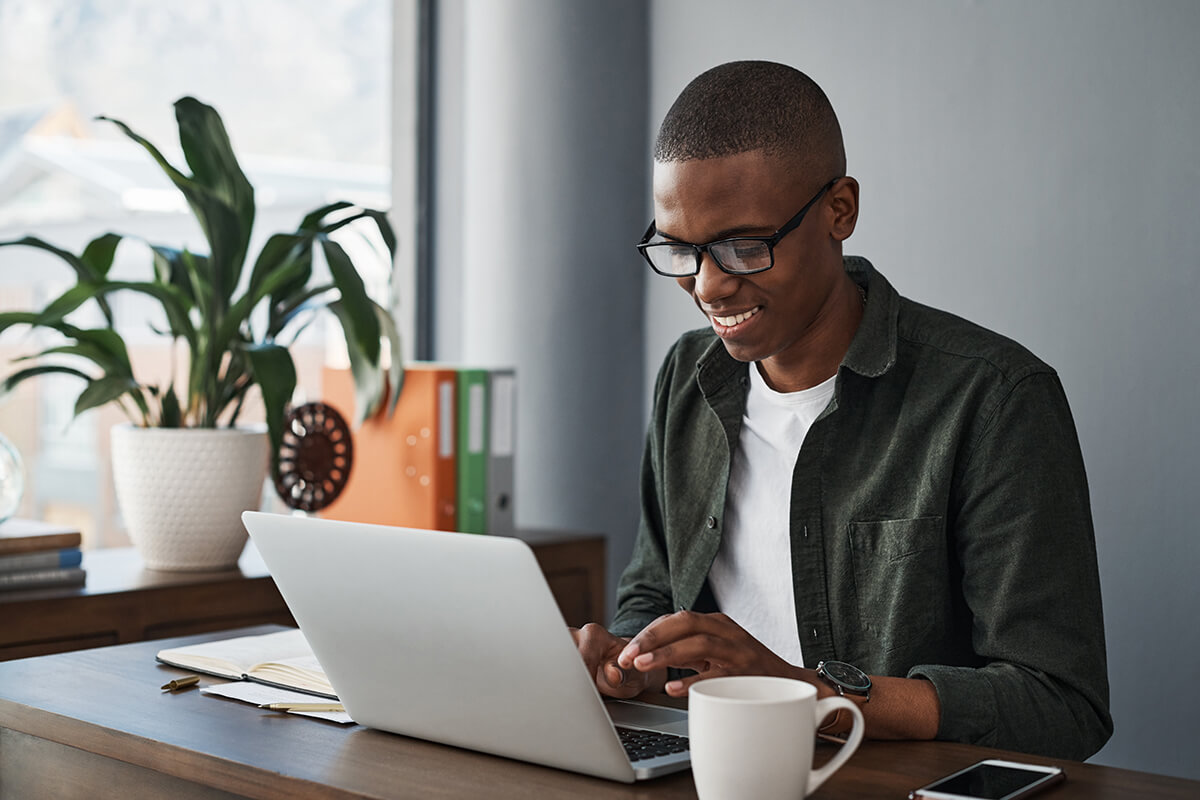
(404,465)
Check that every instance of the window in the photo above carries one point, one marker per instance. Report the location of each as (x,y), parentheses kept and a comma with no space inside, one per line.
(304,89)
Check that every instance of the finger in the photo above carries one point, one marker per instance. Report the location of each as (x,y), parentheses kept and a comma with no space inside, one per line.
(679,688)
(614,675)
(702,649)
(661,631)
(695,637)
(594,643)
(679,654)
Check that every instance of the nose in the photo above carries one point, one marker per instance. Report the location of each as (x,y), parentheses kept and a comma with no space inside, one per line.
(711,283)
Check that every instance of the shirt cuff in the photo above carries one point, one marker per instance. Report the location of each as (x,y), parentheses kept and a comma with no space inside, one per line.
(967,700)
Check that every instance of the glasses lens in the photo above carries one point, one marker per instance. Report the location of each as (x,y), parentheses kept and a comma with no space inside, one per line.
(672,259)
(742,255)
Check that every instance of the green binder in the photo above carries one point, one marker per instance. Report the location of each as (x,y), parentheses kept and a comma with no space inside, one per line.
(473,450)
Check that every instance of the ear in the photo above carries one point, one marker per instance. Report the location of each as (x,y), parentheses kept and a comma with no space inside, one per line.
(843,204)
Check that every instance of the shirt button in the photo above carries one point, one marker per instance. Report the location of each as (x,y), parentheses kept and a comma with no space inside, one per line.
(711,522)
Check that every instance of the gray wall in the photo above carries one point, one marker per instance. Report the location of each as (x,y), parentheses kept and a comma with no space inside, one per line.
(1033,166)
(542,167)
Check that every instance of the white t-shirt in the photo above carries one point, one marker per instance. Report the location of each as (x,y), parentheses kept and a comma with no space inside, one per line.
(751,576)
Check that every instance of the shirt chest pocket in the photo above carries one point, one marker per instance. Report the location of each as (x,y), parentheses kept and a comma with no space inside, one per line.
(901,579)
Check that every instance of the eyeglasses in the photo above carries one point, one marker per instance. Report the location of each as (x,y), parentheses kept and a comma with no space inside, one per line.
(740,255)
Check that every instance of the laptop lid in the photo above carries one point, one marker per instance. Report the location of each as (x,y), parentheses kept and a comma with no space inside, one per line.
(449,637)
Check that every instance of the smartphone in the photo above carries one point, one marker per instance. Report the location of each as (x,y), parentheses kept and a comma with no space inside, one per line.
(991,779)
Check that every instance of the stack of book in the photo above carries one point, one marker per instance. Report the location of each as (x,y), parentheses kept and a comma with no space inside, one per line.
(36,555)
(442,461)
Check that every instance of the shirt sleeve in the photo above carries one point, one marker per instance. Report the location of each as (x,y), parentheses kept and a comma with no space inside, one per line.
(1025,540)
(644,591)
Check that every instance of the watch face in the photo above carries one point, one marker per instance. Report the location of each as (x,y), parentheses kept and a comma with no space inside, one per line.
(849,676)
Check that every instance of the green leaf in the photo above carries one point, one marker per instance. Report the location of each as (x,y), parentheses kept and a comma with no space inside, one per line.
(34,319)
(172,415)
(369,386)
(230,387)
(362,334)
(380,220)
(239,312)
(312,300)
(12,381)
(293,291)
(177,177)
(171,299)
(104,390)
(11,318)
(275,374)
(68,301)
(312,222)
(200,287)
(84,271)
(105,347)
(385,230)
(99,253)
(396,369)
(102,345)
(170,268)
(220,207)
(283,251)
(91,352)
(208,152)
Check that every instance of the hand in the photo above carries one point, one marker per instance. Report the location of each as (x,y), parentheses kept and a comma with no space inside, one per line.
(599,650)
(710,644)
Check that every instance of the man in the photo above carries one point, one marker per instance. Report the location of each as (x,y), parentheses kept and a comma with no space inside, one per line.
(838,482)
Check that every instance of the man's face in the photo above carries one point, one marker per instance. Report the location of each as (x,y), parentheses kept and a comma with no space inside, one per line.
(770,314)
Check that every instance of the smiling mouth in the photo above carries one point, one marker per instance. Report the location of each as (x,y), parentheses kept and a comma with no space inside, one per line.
(736,319)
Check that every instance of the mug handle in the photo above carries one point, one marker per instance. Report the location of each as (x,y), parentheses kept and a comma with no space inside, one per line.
(824,708)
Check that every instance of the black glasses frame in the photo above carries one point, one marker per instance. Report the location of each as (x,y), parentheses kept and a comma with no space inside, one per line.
(699,249)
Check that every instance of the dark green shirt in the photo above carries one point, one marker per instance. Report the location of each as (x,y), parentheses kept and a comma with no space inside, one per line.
(940,521)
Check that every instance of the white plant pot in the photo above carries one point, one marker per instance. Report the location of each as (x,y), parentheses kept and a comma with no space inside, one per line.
(182,491)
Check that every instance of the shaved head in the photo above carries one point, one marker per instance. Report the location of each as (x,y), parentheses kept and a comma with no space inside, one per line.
(755,105)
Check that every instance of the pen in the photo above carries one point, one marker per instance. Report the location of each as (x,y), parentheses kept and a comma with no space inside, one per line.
(303,706)
(181,683)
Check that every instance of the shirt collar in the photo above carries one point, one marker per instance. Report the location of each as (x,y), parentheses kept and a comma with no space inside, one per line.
(872,351)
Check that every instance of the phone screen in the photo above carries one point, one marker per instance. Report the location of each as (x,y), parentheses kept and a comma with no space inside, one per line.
(988,781)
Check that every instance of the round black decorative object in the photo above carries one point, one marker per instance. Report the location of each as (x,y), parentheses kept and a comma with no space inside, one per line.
(314,458)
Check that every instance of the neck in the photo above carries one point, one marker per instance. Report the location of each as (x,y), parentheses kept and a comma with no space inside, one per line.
(823,347)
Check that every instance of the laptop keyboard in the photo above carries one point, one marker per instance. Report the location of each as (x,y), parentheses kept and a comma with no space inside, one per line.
(640,745)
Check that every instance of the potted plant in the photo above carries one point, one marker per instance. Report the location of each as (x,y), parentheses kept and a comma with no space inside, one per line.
(183,448)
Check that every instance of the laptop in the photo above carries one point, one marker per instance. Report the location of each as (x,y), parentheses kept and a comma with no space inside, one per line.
(456,638)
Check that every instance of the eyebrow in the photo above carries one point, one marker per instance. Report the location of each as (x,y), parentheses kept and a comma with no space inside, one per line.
(755,231)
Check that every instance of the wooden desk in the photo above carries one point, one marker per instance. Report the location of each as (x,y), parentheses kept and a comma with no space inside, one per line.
(124,602)
(93,724)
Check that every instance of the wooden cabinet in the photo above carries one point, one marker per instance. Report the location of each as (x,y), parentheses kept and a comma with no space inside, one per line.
(124,602)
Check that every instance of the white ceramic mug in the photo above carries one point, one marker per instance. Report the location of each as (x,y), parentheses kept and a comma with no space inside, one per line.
(753,736)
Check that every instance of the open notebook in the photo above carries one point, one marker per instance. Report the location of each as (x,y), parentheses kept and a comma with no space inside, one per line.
(281,659)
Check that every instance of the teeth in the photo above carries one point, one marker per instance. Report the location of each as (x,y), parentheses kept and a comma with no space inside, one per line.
(729,322)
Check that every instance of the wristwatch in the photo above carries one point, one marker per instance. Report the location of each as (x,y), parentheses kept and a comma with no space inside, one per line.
(846,679)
